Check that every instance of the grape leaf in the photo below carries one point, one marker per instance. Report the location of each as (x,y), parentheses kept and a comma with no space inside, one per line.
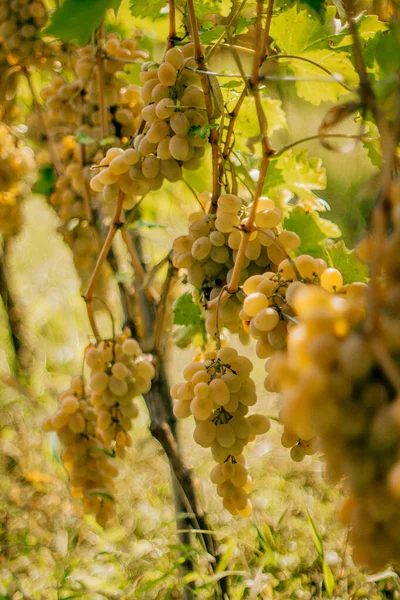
(188,315)
(84,138)
(367,28)
(202,131)
(147,9)
(374,147)
(46,181)
(76,20)
(299,175)
(247,123)
(308,227)
(319,6)
(346,262)
(243,24)
(210,35)
(186,312)
(297,32)
(212,7)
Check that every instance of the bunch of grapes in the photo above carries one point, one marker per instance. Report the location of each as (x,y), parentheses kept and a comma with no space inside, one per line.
(119,373)
(334,388)
(90,467)
(174,111)
(209,251)
(269,313)
(74,108)
(16,172)
(20,25)
(218,393)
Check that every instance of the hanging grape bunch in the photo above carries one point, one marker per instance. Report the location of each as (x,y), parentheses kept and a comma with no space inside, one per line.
(218,393)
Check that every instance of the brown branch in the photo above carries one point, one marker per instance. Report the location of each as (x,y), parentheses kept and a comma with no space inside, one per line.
(88,297)
(267,154)
(172,25)
(140,273)
(264,45)
(214,137)
(159,333)
(100,84)
(233,116)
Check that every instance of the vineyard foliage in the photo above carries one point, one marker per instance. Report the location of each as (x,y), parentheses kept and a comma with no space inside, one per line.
(200,291)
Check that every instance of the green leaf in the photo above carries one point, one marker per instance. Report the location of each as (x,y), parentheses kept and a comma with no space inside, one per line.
(243,24)
(147,9)
(373,148)
(329,580)
(299,176)
(315,535)
(209,35)
(212,7)
(346,262)
(388,51)
(202,131)
(308,227)
(107,140)
(367,28)
(46,181)
(186,312)
(247,123)
(232,84)
(83,138)
(319,6)
(76,20)
(297,32)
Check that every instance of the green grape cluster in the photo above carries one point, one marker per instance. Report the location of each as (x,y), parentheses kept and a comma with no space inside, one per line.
(269,314)
(334,388)
(73,108)
(119,373)
(17,166)
(218,393)
(174,109)
(209,251)
(20,40)
(90,467)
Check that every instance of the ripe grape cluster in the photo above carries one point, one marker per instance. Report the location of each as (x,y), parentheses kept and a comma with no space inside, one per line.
(209,251)
(218,393)
(173,109)
(119,373)
(74,108)
(334,388)
(17,165)
(20,41)
(269,312)
(92,422)
(90,467)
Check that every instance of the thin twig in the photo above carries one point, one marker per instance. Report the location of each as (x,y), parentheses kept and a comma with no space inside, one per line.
(100,85)
(88,297)
(321,136)
(199,58)
(172,25)
(160,330)
(264,46)
(140,273)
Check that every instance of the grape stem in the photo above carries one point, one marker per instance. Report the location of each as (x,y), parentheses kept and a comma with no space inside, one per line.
(88,296)
(172,24)
(100,84)
(138,268)
(267,153)
(214,135)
